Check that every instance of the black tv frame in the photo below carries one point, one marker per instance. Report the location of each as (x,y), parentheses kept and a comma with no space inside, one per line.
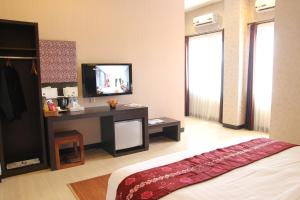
(84,75)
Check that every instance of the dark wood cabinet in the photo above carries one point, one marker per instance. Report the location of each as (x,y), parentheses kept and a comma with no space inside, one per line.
(24,138)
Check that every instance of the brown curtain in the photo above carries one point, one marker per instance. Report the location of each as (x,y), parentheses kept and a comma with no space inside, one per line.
(250,104)
(187,94)
(222,82)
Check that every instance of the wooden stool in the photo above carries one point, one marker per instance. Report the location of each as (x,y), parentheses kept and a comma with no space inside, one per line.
(69,137)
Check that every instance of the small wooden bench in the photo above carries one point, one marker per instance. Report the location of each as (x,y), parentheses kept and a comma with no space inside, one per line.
(169,127)
(69,137)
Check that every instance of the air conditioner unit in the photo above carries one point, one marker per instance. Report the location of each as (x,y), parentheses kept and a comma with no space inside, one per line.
(264,5)
(205,20)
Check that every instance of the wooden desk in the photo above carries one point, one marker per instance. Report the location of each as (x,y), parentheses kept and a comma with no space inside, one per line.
(107,117)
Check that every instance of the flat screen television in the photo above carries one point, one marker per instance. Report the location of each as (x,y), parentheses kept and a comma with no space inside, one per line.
(106,79)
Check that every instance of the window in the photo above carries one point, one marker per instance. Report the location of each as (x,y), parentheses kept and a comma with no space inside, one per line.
(205,56)
(260,76)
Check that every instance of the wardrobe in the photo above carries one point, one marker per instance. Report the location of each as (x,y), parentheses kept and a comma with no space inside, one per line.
(22,138)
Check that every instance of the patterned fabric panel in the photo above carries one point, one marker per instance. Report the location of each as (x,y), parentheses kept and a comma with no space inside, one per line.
(58,61)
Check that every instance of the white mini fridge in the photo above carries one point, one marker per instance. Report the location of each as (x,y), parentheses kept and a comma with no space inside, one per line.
(128,134)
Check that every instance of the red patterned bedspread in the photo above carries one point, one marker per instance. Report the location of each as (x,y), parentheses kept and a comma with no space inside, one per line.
(160,181)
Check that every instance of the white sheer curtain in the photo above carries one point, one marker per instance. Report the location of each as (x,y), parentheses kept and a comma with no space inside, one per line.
(205,65)
(262,76)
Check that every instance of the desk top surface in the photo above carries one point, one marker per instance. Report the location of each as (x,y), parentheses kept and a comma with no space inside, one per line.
(95,111)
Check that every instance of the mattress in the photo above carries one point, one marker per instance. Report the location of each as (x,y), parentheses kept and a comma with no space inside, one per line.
(276,177)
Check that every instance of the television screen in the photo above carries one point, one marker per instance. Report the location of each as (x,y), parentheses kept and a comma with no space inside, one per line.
(106,79)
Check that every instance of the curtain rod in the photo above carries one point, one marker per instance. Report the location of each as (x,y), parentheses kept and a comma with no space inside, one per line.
(205,33)
(262,22)
(17,58)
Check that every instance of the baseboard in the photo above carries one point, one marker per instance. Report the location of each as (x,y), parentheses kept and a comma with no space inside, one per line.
(93,146)
(233,126)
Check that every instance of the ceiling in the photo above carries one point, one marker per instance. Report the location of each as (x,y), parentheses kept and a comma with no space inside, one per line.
(193,4)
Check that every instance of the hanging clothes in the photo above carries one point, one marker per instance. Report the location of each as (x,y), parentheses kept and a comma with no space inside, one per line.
(12,100)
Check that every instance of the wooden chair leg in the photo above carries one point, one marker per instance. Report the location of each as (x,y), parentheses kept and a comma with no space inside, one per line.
(57,156)
(81,149)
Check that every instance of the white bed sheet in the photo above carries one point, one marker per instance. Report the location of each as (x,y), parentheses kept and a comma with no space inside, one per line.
(276,177)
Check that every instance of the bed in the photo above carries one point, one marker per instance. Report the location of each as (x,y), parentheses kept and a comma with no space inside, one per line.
(276,177)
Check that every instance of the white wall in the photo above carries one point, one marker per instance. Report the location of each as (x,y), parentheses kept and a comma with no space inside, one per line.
(285,117)
(216,8)
(135,31)
(260,16)
(236,17)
